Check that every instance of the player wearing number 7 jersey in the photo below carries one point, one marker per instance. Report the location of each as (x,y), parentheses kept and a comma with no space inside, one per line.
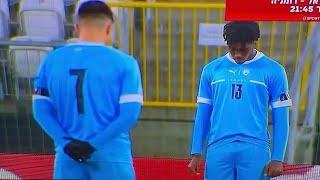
(235,93)
(88,96)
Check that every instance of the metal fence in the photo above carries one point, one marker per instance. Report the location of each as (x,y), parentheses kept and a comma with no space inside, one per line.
(164,39)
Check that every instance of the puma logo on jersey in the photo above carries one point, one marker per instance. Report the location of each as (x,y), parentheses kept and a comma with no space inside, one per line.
(233,72)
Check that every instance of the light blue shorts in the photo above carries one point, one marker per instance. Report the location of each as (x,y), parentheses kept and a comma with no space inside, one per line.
(237,161)
(91,170)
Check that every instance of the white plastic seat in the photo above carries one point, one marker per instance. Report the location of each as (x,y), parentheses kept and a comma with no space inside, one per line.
(43,18)
(4,35)
(4,19)
(25,61)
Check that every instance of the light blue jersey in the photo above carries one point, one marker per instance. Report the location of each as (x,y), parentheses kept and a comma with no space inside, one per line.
(240,96)
(86,84)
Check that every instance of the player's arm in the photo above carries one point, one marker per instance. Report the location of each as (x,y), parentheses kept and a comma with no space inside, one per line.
(201,127)
(280,102)
(280,118)
(43,110)
(202,121)
(130,106)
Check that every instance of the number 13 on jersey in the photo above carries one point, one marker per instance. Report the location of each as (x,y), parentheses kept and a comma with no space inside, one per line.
(236,91)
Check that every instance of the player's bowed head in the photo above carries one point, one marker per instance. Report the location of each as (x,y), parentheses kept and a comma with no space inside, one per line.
(241,38)
(94,21)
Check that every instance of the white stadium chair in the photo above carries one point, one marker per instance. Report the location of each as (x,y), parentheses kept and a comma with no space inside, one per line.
(25,61)
(4,35)
(4,19)
(43,18)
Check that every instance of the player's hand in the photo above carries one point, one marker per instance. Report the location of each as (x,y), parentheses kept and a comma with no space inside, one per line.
(78,150)
(274,169)
(194,165)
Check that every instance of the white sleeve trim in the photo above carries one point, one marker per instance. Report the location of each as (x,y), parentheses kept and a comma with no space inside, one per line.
(128,98)
(217,81)
(279,104)
(36,97)
(258,82)
(204,100)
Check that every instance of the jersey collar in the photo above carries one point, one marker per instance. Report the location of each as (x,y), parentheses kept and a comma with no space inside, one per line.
(85,43)
(256,57)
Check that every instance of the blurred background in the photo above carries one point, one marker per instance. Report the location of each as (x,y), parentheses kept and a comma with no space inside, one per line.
(164,36)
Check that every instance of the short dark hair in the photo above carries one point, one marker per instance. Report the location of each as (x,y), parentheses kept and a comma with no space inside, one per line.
(241,32)
(94,8)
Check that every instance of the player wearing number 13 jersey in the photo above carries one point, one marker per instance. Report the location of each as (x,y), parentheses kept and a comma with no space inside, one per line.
(88,96)
(235,93)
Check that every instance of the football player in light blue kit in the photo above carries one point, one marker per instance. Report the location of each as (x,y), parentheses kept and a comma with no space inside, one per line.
(235,93)
(88,96)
